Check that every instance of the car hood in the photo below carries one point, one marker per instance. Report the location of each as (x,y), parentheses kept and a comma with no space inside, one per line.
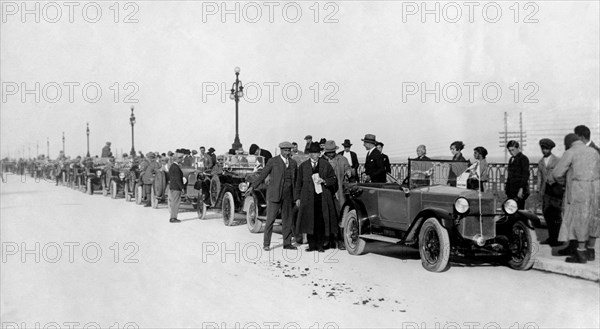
(444,196)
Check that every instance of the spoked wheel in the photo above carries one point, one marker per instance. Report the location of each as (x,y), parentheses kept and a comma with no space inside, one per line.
(214,190)
(138,194)
(228,208)
(434,246)
(254,224)
(354,244)
(113,190)
(521,247)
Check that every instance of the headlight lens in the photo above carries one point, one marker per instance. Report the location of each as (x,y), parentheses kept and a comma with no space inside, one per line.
(99,172)
(461,205)
(510,206)
(243,186)
(121,175)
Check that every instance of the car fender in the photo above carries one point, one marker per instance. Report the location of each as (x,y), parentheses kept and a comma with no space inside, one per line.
(361,214)
(443,217)
(530,219)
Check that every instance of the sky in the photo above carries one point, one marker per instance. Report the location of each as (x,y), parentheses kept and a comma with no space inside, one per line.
(331,69)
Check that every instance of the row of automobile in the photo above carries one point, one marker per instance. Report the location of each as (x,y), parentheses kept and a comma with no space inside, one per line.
(425,211)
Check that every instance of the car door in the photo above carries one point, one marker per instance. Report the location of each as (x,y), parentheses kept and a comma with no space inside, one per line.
(394,208)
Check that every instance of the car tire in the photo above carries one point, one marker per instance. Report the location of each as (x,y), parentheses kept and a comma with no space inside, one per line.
(126,191)
(214,190)
(354,244)
(113,190)
(434,246)
(228,208)
(138,194)
(90,187)
(255,225)
(201,208)
(522,247)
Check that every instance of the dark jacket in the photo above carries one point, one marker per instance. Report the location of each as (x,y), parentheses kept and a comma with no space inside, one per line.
(386,163)
(354,158)
(305,191)
(106,153)
(148,170)
(517,176)
(276,168)
(423,158)
(375,167)
(175,177)
(266,154)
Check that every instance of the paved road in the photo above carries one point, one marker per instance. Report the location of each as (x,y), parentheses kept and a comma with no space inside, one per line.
(116,264)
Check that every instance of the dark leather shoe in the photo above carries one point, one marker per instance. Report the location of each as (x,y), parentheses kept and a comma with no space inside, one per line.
(147,205)
(290,247)
(591,254)
(568,251)
(266,248)
(174,220)
(310,249)
(321,250)
(578,258)
(341,246)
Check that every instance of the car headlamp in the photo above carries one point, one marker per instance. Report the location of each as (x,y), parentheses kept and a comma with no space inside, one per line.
(243,186)
(99,172)
(510,206)
(461,205)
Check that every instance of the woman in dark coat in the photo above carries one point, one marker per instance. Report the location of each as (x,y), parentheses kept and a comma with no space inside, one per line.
(317,213)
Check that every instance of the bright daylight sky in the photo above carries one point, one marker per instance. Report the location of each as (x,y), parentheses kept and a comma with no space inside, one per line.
(360,56)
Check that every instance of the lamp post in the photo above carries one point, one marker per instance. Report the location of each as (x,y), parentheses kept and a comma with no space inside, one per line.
(63,140)
(237,92)
(132,122)
(87,132)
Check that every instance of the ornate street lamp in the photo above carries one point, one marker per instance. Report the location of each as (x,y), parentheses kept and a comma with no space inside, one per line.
(87,132)
(132,122)
(237,92)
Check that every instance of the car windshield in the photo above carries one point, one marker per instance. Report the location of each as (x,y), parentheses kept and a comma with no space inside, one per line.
(243,161)
(434,172)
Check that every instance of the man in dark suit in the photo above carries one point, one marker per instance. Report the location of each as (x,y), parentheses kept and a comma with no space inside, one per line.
(386,160)
(175,186)
(280,194)
(374,165)
(254,149)
(422,153)
(517,180)
(309,142)
(351,157)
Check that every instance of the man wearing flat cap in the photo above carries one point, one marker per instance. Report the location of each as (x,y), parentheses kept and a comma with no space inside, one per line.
(550,192)
(280,193)
(148,168)
(106,152)
(309,142)
(175,186)
(374,165)
(255,150)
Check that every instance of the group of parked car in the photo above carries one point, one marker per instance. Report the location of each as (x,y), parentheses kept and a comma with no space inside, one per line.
(425,211)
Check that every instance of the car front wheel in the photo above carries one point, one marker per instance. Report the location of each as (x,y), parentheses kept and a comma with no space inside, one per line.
(228,209)
(113,190)
(254,224)
(434,246)
(354,244)
(521,247)
(138,194)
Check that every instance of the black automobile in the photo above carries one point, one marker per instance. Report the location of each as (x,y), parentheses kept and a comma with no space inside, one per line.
(94,174)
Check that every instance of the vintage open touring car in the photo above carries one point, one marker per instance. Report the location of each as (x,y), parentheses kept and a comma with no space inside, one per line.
(426,212)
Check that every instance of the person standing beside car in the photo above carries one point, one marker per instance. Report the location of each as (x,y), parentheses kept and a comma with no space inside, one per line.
(478,171)
(374,165)
(342,169)
(151,168)
(517,179)
(176,186)
(550,192)
(352,159)
(280,194)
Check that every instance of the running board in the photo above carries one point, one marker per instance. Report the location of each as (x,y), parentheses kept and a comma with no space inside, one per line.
(379,238)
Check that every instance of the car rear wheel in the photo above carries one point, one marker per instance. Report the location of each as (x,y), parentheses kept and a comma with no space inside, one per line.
(228,208)
(521,247)
(138,194)
(201,207)
(214,190)
(354,244)
(434,246)
(254,224)
(113,190)
(90,187)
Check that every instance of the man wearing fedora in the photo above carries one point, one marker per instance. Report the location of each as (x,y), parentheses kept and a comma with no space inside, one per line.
(374,165)
(175,186)
(342,169)
(351,157)
(255,150)
(148,169)
(309,142)
(280,194)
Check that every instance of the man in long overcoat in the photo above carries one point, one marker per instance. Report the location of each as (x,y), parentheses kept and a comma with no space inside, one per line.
(280,194)
(317,214)
(149,169)
(550,191)
(581,220)
(342,169)
(517,179)
(176,186)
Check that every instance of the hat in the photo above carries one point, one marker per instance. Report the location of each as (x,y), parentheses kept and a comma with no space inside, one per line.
(253,148)
(370,138)
(570,139)
(194,152)
(547,143)
(346,143)
(308,137)
(150,155)
(379,144)
(211,150)
(323,141)
(108,143)
(170,153)
(285,145)
(330,146)
(314,148)
(178,155)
